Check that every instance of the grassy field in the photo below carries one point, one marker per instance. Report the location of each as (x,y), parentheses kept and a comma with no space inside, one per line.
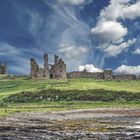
(12,86)
(61,106)
(9,87)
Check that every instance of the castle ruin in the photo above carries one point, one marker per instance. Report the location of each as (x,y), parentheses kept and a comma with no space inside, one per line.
(55,71)
(106,74)
(58,71)
(3,68)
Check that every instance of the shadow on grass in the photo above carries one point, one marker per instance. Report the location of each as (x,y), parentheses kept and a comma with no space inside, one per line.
(72,95)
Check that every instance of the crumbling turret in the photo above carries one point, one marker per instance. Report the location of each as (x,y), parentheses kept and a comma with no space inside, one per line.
(56,71)
(3,68)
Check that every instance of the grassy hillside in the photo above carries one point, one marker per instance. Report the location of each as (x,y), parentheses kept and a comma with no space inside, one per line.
(8,87)
(30,94)
(73,95)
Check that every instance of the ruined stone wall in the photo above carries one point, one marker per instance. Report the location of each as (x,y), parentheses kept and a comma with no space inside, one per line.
(138,77)
(41,73)
(101,75)
(34,68)
(124,77)
(3,68)
(78,74)
(58,70)
(45,72)
(108,74)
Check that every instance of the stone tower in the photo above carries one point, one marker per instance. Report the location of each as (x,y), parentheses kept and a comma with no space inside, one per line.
(34,68)
(46,66)
(55,71)
(58,70)
(55,59)
(3,68)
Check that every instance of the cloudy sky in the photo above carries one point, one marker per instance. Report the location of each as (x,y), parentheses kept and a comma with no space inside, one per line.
(92,34)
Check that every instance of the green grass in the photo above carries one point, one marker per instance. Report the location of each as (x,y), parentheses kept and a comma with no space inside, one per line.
(72,95)
(64,106)
(13,86)
(9,87)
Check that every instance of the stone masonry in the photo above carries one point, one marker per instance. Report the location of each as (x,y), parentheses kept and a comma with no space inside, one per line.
(3,68)
(55,71)
(58,71)
(106,74)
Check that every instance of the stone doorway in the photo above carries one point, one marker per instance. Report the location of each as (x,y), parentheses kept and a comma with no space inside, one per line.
(51,76)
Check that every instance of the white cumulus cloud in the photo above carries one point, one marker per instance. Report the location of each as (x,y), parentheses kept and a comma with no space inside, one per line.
(109,30)
(112,11)
(89,68)
(132,11)
(123,69)
(114,50)
(137,51)
(121,9)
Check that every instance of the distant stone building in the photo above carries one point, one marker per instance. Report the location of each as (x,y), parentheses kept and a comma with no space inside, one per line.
(85,74)
(58,71)
(106,74)
(138,77)
(125,77)
(55,71)
(3,68)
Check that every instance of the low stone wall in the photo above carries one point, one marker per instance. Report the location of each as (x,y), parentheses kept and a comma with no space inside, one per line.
(138,77)
(101,75)
(77,74)
(124,77)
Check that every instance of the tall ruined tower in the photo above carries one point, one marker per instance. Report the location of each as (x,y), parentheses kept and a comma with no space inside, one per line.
(55,71)
(34,68)
(46,66)
(58,70)
(3,68)
(55,59)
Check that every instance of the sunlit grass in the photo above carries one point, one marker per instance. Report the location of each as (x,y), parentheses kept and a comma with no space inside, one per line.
(64,106)
(8,87)
(13,86)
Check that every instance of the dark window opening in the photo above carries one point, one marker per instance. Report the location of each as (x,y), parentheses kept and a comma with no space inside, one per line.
(51,76)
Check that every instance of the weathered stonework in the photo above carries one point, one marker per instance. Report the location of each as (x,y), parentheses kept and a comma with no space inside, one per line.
(3,68)
(125,77)
(55,71)
(58,71)
(106,74)
(138,77)
(84,74)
